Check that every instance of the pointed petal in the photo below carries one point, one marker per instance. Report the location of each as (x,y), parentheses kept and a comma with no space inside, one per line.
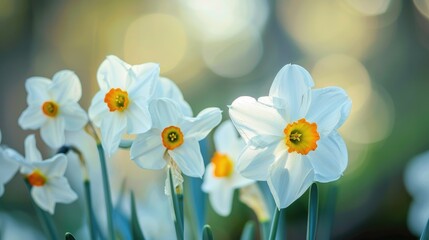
(98,109)
(61,190)
(224,136)
(52,132)
(143,79)
(168,89)
(293,84)
(329,108)
(66,87)
(221,200)
(43,198)
(32,118)
(290,176)
(53,167)
(189,159)
(113,127)
(8,168)
(254,163)
(37,89)
(164,113)
(147,150)
(74,116)
(258,124)
(238,181)
(138,118)
(112,73)
(330,158)
(32,154)
(200,126)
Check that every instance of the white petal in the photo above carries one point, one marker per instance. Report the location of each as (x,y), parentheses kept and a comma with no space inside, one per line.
(290,177)
(257,123)
(168,89)
(37,89)
(416,175)
(98,109)
(53,167)
(418,216)
(113,127)
(112,73)
(138,118)
(254,163)
(74,116)
(329,108)
(293,84)
(238,181)
(42,196)
(200,126)
(164,113)
(66,87)
(52,132)
(225,136)
(221,200)
(32,154)
(189,159)
(210,182)
(143,79)
(330,158)
(147,150)
(8,168)
(32,118)
(61,190)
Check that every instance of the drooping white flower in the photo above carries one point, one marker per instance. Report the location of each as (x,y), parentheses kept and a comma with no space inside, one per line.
(221,179)
(121,105)
(416,182)
(46,177)
(53,107)
(173,138)
(291,135)
(8,167)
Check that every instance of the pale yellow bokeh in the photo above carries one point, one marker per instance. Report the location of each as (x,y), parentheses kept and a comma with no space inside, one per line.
(423,7)
(370,7)
(159,38)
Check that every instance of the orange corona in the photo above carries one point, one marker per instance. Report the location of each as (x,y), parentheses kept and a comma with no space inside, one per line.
(301,136)
(50,108)
(172,137)
(223,166)
(117,100)
(36,179)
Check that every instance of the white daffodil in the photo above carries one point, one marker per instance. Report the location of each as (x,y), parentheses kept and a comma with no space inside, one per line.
(291,135)
(173,138)
(168,89)
(221,179)
(8,167)
(121,104)
(46,177)
(416,182)
(53,107)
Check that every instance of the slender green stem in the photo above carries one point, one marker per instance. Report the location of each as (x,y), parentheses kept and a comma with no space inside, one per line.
(180,202)
(425,233)
(207,232)
(107,195)
(91,218)
(177,213)
(69,236)
(44,217)
(313,203)
(249,231)
(265,229)
(274,224)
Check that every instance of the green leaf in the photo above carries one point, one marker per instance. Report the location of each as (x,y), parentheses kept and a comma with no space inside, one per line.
(425,233)
(248,231)
(135,226)
(207,232)
(274,224)
(177,213)
(313,204)
(69,236)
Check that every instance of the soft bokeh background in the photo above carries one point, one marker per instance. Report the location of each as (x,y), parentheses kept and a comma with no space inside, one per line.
(377,50)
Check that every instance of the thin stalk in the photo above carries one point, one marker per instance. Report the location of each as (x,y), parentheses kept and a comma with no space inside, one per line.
(44,217)
(107,195)
(425,233)
(180,203)
(274,224)
(265,229)
(207,232)
(313,203)
(248,231)
(91,217)
(177,213)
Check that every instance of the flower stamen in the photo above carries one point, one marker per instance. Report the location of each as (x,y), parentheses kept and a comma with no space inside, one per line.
(301,136)
(36,178)
(50,108)
(116,100)
(172,137)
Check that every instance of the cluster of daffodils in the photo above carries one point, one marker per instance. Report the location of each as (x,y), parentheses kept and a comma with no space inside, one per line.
(288,139)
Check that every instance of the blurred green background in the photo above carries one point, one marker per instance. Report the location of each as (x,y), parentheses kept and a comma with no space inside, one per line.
(216,51)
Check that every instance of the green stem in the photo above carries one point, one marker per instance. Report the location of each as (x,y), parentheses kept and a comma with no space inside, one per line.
(177,212)
(425,233)
(265,229)
(274,224)
(180,202)
(91,217)
(313,203)
(44,217)
(207,232)
(107,195)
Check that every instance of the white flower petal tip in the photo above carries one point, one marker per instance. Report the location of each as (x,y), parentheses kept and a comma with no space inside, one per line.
(53,107)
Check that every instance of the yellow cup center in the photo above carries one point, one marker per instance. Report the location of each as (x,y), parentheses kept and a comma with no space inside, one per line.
(172,137)
(223,165)
(301,136)
(50,108)
(116,100)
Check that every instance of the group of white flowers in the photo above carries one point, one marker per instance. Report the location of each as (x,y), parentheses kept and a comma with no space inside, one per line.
(288,138)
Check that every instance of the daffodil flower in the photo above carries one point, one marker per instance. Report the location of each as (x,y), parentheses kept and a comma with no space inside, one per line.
(173,138)
(53,107)
(221,179)
(121,105)
(291,135)
(8,167)
(46,177)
